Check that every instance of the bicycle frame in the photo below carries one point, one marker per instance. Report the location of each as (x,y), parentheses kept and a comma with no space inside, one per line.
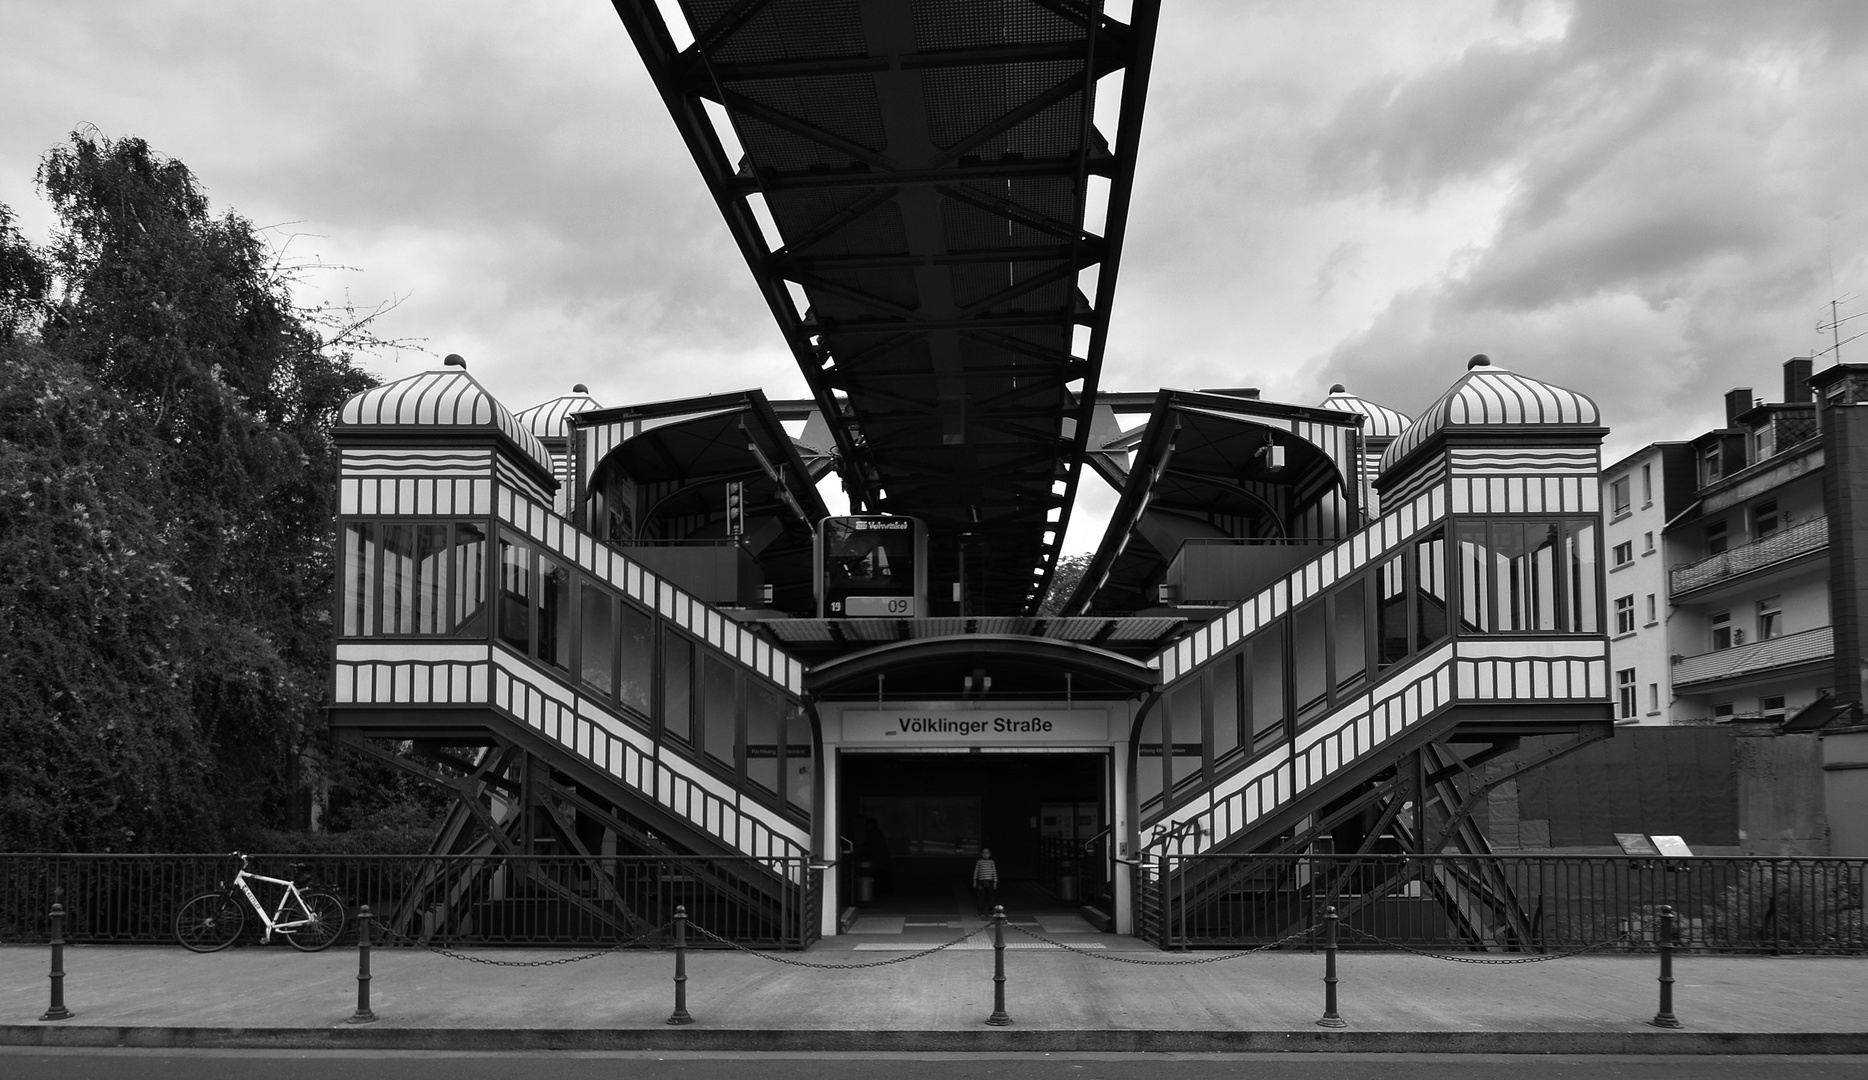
(274,922)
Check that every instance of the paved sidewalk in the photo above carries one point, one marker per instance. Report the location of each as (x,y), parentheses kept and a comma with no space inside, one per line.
(1058,1001)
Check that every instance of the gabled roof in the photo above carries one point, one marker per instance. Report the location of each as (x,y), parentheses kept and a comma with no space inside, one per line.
(449,398)
(1491,396)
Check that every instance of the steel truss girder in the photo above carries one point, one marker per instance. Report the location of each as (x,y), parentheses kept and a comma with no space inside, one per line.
(1432,775)
(824,346)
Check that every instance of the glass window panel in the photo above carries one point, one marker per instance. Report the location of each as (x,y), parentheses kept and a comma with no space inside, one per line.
(1391,628)
(515,595)
(719,710)
(1585,614)
(800,770)
(1226,713)
(596,639)
(635,645)
(1475,578)
(360,554)
(1547,541)
(469,580)
(1513,585)
(677,686)
(554,614)
(398,562)
(1267,670)
(765,711)
(1188,744)
(1309,649)
(1149,763)
(1430,587)
(431,579)
(1349,637)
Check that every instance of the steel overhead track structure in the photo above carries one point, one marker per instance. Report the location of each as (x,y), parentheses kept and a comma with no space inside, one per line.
(927,166)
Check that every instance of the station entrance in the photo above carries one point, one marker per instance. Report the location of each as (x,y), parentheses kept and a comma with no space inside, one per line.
(914,823)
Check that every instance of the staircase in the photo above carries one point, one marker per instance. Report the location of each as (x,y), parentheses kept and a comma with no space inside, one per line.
(1383,750)
(573,755)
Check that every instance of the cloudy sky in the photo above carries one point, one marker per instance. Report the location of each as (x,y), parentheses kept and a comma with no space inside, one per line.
(1649,202)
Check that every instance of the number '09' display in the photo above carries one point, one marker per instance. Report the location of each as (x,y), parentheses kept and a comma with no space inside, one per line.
(871,566)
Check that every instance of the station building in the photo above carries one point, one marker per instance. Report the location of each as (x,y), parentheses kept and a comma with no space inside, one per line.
(601,628)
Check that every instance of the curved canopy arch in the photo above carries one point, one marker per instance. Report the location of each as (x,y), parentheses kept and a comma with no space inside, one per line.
(951,667)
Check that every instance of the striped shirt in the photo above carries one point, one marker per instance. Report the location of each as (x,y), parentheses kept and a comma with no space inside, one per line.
(984,871)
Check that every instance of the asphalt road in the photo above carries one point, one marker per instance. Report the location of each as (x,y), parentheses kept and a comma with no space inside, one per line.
(21,1063)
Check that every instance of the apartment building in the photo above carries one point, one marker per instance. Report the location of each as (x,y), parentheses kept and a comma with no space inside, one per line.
(1750,630)
(1719,576)
(1641,493)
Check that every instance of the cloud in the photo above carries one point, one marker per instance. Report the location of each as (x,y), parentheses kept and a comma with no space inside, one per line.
(1677,179)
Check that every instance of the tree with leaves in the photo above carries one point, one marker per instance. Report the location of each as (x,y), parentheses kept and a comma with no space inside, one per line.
(166,491)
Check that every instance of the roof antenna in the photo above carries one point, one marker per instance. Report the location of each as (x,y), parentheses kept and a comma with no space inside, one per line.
(1836,318)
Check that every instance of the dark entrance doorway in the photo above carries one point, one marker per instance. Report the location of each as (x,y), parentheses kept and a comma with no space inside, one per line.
(916,823)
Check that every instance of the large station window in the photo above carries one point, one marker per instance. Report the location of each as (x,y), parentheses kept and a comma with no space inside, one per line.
(1186,743)
(635,674)
(677,685)
(1529,577)
(409,579)
(1265,655)
(1228,717)
(719,710)
(1295,670)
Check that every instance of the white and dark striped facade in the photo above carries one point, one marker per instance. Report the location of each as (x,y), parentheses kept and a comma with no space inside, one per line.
(478,588)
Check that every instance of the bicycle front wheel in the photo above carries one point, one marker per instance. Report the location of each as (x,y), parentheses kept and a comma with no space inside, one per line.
(325,915)
(210,922)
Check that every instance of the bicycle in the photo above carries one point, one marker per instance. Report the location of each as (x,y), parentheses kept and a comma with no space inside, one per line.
(210,922)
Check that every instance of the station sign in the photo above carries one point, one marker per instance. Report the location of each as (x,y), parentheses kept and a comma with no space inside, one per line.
(975,727)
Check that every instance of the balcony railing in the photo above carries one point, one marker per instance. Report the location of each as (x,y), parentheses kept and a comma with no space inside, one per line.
(1757,657)
(1801,539)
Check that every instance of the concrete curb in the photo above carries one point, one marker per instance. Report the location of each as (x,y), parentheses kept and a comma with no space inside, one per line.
(996,1040)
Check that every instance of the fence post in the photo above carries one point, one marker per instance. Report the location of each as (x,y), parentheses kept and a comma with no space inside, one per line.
(998,1017)
(363,1015)
(1665,1017)
(680,1015)
(58,1011)
(1330,1018)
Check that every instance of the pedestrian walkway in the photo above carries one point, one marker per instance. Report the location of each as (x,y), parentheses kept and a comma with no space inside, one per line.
(1091,1000)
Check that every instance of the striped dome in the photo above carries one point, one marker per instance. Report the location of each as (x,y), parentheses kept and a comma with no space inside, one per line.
(439,399)
(1383,422)
(1491,396)
(548,420)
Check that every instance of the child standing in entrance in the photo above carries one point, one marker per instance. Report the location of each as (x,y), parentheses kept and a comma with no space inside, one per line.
(985,883)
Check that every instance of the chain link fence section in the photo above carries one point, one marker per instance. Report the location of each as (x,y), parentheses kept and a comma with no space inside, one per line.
(1491,961)
(1190,962)
(837,967)
(489,962)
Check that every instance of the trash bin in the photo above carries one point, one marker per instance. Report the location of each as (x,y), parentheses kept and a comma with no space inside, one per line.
(1067,888)
(866,883)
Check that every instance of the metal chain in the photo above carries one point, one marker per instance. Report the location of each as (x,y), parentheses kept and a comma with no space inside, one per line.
(1494,962)
(775,958)
(618,947)
(1114,959)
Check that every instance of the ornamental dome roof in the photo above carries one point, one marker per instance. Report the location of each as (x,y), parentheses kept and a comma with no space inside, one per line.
(1491,396)
(550,419)
(1383,422)
(449,398)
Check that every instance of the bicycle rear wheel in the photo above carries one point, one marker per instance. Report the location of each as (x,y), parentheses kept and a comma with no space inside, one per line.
(326,913)
(210,922)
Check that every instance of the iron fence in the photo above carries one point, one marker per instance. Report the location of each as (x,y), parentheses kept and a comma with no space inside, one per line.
(449,901)
(1514,903)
